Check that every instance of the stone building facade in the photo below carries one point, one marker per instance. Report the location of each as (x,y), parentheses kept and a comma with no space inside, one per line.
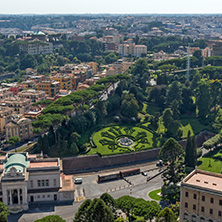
(201,197)
(29,179)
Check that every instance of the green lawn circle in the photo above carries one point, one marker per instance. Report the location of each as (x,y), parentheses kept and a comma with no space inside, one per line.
(155,195)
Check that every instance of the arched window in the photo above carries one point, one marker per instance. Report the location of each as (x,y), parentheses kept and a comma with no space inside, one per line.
(185,216)
(202,219)
(194,218)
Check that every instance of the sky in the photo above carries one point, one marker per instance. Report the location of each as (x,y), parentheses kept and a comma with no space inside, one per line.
(110,6)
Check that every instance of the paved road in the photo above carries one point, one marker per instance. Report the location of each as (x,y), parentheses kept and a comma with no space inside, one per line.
(91,189)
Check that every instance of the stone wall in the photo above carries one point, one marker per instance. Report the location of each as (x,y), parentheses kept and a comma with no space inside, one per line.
(94,162)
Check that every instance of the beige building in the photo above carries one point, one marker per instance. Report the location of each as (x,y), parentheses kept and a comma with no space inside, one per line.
(216,46)
(201,197)
(65,81)
(18,126)
(5,93)
(140,50)
(29,179)
(5,117)
(33,95)
(51,87)
(19,105)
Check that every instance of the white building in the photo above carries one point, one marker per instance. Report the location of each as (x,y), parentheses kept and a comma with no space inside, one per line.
(37,48)
(30,178)
(140,50)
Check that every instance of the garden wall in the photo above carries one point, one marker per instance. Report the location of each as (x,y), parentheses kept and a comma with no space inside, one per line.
(94,162)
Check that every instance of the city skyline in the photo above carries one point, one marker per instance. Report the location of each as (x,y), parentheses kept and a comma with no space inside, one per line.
(112,7)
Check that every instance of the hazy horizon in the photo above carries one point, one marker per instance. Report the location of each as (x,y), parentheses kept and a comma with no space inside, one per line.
(111,7)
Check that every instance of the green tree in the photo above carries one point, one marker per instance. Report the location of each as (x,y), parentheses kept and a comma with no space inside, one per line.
(109,201)
(190,151)
(129,106)
(172,155)
(4,212)
(74,149)
(198,55)
(81,215)
(166,215)
(14,139)
(175,109)
(126,204)
(187,101)
(174,92)
(101,212)
(203,99)
(75,137)
(51,136)
(167,118)
(51,218)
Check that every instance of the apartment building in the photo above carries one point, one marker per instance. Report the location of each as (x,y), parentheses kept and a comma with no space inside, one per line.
(32,94)
(18,126)
(36,47)
(5,114)
(51,87)
(93,65)
(19,105)
(29,178)
(126,49)
(65,81)
(5,93)
(201,197)
(140,50)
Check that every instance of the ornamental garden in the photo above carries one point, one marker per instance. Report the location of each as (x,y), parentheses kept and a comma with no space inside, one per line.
(122,139)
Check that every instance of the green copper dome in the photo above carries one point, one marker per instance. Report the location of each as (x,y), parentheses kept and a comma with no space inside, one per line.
(16,160)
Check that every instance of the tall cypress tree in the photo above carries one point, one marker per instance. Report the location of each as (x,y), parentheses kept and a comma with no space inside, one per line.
(193,161)
(190,151)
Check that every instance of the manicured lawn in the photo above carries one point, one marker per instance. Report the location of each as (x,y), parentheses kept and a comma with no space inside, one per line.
(212,161)
(144,108)
(155,195)
(195,124)
(185,129)
(119,131)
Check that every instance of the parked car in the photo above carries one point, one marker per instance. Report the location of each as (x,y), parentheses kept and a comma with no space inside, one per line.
(78,181)
(144,173)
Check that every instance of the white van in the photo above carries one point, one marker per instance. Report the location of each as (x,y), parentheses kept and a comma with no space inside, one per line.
(78,181)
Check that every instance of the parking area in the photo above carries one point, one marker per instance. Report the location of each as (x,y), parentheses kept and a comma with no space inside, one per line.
(90,187)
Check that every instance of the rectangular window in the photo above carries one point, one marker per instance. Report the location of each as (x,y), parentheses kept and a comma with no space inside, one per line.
(212,200)
(219,213)
(220,202)
(194,207)
(195,196)
(211,211)
(47,183)
(203,198)
(31,183)
(202,209)
(39,183)
(43,183)
(54,182)
(186,194)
